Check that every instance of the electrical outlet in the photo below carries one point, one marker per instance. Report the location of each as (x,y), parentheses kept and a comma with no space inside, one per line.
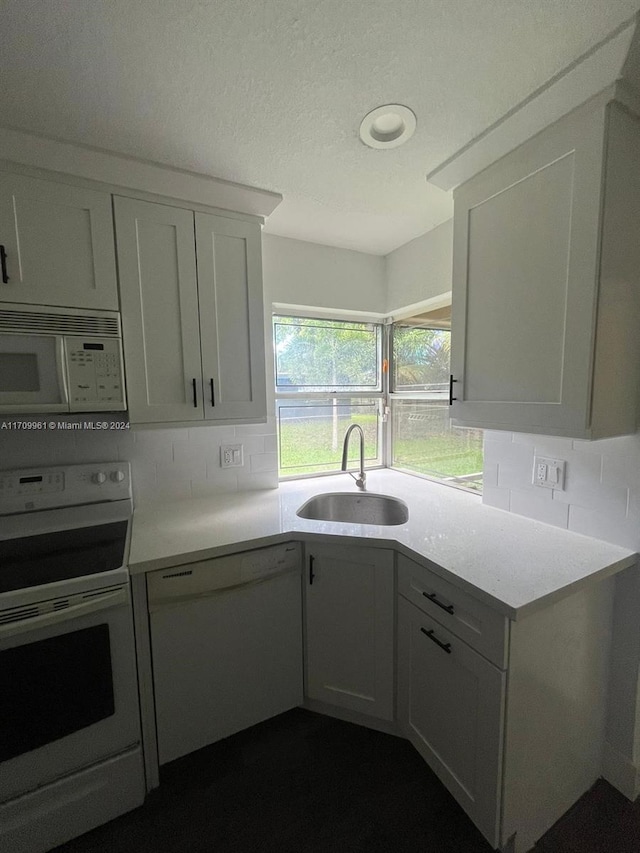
(548,472)
(231,456)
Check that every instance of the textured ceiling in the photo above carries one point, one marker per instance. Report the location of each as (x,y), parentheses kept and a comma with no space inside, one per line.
(271,92)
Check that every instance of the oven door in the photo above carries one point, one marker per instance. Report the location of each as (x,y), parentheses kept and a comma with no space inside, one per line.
(68,687)
(32,374)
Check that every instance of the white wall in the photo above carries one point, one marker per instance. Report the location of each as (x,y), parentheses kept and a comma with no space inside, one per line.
(307,274)
(421,269)
(301,273)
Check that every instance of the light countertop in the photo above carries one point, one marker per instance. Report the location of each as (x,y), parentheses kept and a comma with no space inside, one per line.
(512,563)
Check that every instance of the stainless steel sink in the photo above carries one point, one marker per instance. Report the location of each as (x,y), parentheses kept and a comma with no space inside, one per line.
(355,508)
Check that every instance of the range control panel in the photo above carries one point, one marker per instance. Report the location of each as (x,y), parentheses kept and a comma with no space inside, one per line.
(31,489)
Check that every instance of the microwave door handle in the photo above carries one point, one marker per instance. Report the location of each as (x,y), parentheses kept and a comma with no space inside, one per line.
(110,599)
(61,370)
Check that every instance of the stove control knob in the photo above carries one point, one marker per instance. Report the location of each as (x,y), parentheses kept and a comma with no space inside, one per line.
(116,476)
(100,477)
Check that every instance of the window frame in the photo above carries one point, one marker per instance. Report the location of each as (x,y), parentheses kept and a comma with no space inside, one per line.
(380,393)
(399,396)
(385,396)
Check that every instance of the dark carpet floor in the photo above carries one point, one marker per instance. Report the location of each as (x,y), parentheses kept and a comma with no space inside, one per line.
(305,783)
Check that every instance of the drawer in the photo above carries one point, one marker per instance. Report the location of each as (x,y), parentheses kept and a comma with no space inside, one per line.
(480,626)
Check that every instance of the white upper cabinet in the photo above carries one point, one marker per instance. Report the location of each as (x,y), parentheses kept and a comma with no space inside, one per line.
(191,293)
(231,317)
(546,282)
(159,295)
(57,244)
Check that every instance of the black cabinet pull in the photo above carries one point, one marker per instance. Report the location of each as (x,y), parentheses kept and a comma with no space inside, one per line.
(451,397)
(432,597)
(213,396)
(311,572)
(446,647)
(3,264)
(195,394)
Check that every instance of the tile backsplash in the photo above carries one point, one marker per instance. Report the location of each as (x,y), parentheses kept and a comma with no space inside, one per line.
(602,483)
(167,464)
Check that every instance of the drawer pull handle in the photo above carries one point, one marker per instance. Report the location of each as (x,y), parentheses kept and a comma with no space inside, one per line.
(446,647)
(312,574)
(432,597)
(195,393)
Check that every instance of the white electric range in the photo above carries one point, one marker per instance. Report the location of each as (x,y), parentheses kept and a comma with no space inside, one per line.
(70,754)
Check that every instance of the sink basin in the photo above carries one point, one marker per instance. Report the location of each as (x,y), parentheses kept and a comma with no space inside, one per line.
(360,508)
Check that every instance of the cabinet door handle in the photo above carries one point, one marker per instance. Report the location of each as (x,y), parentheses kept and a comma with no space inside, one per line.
(446,647)
(213,396)
(195,394)
(3,264)
(312,574)
(432,597)
(451,397)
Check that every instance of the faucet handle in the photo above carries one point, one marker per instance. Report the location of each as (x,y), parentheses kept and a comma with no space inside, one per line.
(360,481)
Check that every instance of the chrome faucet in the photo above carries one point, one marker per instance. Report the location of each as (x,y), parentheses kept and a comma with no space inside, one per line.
(361,480)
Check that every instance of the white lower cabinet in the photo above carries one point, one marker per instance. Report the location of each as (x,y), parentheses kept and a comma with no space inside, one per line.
(451,707)
(349,628)
(510,715)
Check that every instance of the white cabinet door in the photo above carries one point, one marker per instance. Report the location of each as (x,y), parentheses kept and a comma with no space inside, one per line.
(159,294)
(349,628)
(451,707)
(231,317)
(58,241)
(525,283)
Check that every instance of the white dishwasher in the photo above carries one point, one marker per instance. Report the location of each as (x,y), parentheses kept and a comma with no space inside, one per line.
(226,642)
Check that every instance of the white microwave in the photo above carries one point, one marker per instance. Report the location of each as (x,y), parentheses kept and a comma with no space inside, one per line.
(60,360)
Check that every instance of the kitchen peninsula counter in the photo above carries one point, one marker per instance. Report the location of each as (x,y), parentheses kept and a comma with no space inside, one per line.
(514,564)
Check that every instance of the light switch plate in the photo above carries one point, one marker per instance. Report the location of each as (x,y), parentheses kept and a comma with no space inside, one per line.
(231,456)
(548,472)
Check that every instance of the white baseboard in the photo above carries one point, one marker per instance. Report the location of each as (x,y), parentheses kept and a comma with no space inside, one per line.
(620,772)
(388,727)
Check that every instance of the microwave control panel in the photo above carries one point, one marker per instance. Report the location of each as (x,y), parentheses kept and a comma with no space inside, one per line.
(95,373)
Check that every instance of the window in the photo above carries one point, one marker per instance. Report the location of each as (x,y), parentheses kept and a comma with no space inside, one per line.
(423,439)
(328,376)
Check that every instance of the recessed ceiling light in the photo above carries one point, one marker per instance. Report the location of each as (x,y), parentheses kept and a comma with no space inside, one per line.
(387,126)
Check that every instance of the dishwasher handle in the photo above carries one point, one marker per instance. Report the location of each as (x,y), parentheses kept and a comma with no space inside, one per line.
(214,575)
(159,600)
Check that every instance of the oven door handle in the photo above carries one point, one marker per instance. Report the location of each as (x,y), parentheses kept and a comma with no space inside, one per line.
(114,598)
